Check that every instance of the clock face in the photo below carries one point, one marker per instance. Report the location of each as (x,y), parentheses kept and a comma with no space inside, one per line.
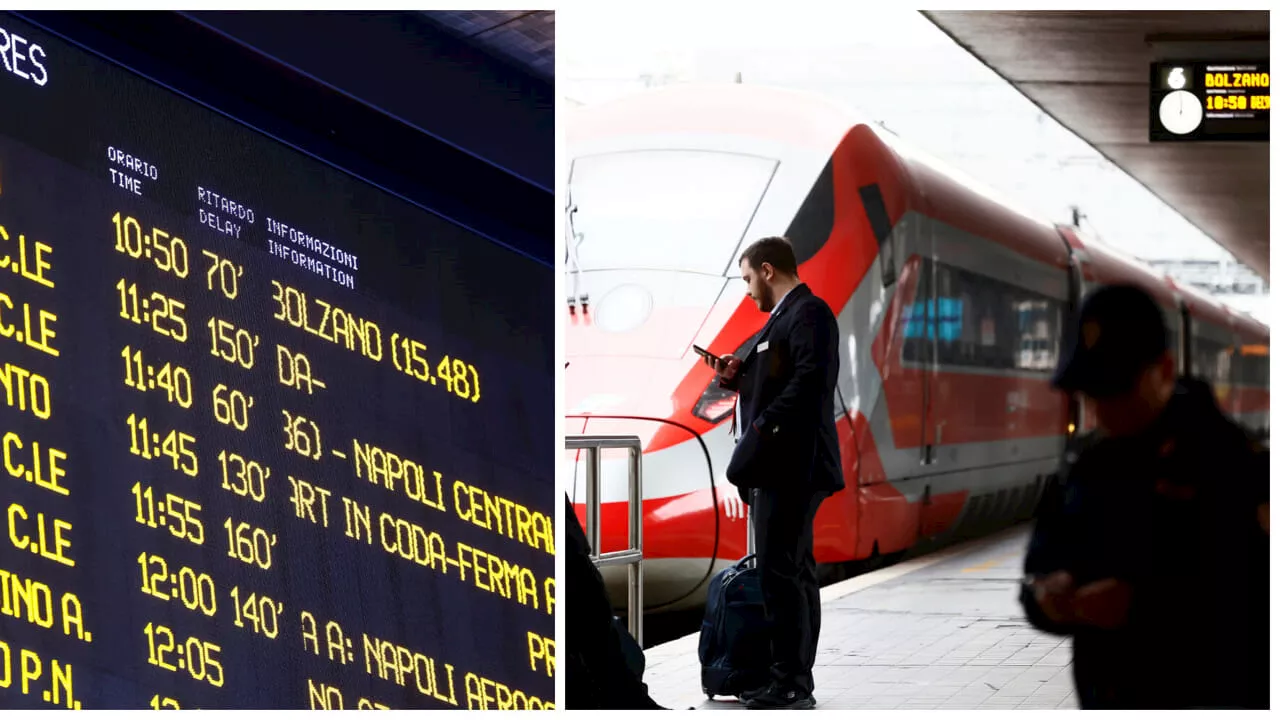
(1180,112)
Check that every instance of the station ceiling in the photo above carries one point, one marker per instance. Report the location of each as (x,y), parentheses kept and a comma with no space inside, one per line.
(1091,72)
(525,37)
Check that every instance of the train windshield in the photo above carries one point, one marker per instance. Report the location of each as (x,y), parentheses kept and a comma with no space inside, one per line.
(682,210)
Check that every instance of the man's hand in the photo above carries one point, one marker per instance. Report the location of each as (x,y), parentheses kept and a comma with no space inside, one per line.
(726,365)
(1102,604)
(1054,594)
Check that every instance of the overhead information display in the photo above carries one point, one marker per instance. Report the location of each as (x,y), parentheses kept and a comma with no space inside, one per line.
(1211,101)
(270,437)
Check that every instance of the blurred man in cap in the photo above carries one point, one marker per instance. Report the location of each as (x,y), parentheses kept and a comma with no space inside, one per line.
(1152,553)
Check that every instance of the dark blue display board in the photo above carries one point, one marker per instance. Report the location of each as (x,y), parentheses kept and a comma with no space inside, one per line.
(270,437)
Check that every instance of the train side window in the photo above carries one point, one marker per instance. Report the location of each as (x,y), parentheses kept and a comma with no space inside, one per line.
(965,347)
(1211,361)
(950,315)
(913,326)
(915,319)
(1255,366)
(1038,331)
(981,322)
(995,349)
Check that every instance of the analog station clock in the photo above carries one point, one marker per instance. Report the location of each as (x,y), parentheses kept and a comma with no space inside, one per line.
(1180,112)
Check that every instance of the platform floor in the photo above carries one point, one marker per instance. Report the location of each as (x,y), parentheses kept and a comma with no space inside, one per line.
(940,631)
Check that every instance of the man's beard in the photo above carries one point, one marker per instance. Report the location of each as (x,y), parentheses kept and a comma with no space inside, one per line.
(767,300)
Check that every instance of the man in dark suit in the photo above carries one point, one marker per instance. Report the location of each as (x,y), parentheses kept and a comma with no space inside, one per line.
(787,459)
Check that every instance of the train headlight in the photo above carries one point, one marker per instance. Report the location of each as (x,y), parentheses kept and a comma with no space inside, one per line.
(715,404)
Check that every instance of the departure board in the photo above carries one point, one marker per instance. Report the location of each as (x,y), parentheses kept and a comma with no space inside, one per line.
(1210,101)
(270,437)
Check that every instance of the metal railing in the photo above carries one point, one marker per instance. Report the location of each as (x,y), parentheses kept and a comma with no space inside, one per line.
(633,556)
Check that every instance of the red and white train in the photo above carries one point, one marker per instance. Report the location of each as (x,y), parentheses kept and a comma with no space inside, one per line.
(950,303)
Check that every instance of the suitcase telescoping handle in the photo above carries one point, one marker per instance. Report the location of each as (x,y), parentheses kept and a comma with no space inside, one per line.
(751,528)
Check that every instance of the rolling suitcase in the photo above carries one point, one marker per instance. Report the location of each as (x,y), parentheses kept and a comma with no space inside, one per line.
(733,646)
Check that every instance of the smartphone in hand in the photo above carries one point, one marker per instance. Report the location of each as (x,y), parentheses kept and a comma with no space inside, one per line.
(708,359)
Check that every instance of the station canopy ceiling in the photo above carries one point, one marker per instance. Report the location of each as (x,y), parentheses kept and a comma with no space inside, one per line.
(1091,72)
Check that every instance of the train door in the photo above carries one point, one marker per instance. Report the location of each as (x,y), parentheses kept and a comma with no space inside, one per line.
(1235,374)
(1184,338)
(933,308)
(927,308)
(1075,295)
(942,324)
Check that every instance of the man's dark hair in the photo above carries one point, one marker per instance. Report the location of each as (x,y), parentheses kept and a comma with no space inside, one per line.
(773,250)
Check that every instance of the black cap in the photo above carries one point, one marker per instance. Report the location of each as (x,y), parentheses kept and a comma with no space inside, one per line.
(1119,331)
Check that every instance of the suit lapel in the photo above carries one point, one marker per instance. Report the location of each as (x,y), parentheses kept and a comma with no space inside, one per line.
(748,357)
(749,350)
(750,347)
